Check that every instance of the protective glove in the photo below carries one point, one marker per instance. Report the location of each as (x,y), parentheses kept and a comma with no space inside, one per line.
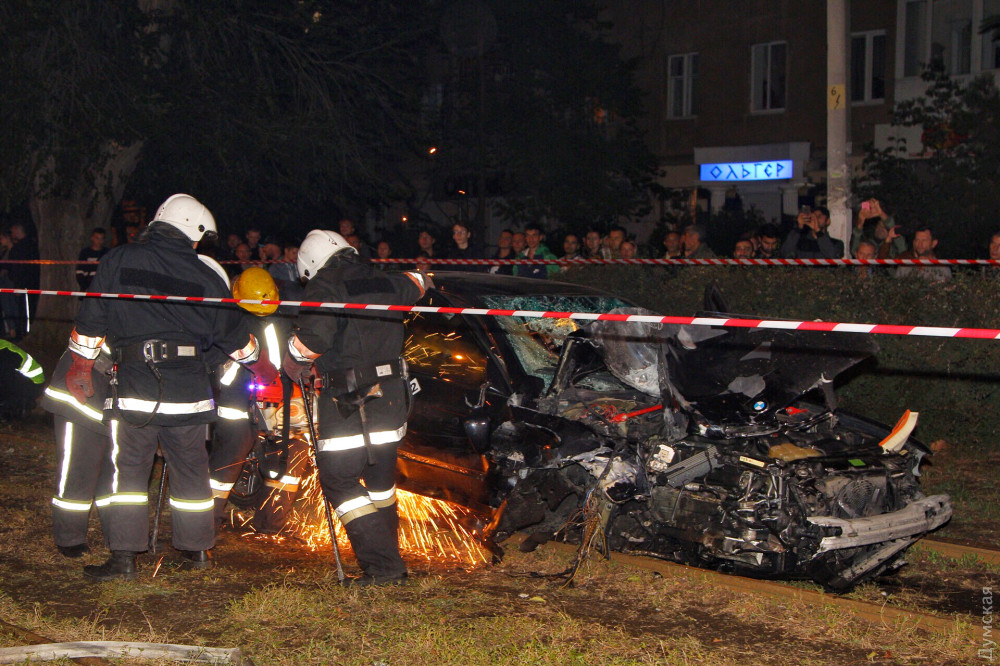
(264,370)
(294,369)
(78,381)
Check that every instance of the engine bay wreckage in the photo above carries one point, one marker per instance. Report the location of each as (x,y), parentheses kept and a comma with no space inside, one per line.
(715,447)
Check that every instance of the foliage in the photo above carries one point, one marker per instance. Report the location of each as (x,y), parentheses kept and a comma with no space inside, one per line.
(275,108)
(75,85)
(559,111)
(257,107)
(275,112)
(955,186)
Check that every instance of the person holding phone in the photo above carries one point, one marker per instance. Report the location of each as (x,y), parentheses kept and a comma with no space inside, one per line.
(810,238)
(873,224)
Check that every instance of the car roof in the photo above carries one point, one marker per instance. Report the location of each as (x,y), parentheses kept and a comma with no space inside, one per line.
(470,286)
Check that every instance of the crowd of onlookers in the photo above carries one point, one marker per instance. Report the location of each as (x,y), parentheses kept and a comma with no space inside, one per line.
(875,234)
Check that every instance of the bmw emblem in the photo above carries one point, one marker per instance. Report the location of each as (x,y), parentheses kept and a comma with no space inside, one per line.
(759,406)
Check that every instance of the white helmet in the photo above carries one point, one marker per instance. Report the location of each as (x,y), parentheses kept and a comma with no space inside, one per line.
(215,266)
(317,248)
(188,215)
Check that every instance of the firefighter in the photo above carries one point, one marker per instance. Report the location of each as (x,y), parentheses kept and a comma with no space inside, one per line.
(160,387)
(364,399)
(235,388)
(83,454)
(21,381)
(285,462)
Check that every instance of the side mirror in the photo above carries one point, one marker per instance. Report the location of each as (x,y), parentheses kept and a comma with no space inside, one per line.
(477,426)
(477,429)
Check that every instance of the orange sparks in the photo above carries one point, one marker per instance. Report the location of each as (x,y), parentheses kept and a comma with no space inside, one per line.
(429,529)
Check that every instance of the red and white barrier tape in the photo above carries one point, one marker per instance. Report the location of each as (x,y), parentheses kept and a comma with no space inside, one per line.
(835,327)
(603,262)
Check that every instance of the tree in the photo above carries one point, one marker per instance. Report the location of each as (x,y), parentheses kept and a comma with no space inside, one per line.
(72,122)
(287,105)
(954,186)
(559,109)
(258,108)
(272,110)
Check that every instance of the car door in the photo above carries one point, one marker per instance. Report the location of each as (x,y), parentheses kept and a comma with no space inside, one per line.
(455,406)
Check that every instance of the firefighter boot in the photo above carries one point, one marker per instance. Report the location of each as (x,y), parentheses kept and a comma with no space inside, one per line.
(197,559)
(272,514)
(75,551)
(120,566)
(377,550)
(219,512)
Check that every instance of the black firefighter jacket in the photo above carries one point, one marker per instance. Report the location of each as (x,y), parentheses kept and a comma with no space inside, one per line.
(349,339)
(163,264)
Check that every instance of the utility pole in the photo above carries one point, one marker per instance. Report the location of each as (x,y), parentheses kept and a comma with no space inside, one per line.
(838,121)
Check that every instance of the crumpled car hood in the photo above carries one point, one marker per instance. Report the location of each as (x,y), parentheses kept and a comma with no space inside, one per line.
(731,376)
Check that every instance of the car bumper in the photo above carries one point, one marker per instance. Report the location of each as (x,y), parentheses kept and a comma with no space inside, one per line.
(917,517)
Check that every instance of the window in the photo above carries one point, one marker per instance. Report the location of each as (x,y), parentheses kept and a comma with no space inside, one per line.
(915,38)
(768,76)
(444,349)
(682,71)
(938,31)
(868,66)
(951,35)
(991,41)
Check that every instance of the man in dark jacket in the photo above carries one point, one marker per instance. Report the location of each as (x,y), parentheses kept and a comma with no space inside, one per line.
(161,393)
(365,397)
(810,238)
(86,271)
(23,276)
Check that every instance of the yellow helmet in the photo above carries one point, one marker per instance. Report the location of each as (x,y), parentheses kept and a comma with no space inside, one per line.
(256,284)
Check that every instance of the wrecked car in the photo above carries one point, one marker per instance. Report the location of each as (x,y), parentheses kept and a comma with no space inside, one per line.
(710,446)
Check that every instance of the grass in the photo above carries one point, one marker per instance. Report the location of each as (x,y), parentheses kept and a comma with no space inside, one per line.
(944,564)
(280,604)
(614,615)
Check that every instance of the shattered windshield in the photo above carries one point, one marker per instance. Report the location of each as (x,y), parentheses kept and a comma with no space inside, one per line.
(538,341)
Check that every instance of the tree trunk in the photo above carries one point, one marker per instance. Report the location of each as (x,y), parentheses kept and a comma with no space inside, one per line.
(64,226)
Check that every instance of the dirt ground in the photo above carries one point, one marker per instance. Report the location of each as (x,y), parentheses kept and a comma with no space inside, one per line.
(196,607)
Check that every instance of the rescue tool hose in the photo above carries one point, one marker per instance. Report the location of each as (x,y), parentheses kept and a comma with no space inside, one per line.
(307,404)
(154,537)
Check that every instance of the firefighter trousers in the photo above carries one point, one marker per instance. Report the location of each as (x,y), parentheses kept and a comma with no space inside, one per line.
(83,471)
(190,498)
(367,512)
(233,440)
(272,514)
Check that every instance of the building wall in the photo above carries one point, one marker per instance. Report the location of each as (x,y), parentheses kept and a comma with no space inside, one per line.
(722,32)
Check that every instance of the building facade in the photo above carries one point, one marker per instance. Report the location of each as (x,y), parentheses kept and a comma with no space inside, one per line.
(738,93)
